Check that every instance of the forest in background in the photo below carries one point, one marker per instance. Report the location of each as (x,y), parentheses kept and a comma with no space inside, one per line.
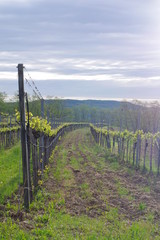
(122,115)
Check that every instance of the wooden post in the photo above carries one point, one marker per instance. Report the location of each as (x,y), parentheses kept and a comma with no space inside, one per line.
(42,108)
(134,149)
(127,150)
(151,152)
(23,137)
(120,143)
(138,141)
(145,152)
(29,149)
(48,115)
(10,134)
(42,138)
(158,165)
(35,163)
(52,120)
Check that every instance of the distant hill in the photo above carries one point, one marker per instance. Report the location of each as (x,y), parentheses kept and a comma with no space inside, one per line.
(91,103)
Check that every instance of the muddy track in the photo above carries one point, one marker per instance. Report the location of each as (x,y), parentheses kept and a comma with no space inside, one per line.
(95,191)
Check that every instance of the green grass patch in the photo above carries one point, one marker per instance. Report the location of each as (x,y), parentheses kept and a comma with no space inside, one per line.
(85,191)
(154,164)
(123,191)
(146,189)
(75,163)
(142,206)
(9,171)
(114,166)
(53,224)
(61,166)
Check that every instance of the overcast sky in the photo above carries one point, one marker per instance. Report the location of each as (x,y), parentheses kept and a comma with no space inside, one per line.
(85,48)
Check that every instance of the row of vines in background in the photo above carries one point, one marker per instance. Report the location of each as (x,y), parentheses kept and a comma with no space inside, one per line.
(42,145)
(41,141)
(9,136)
(11,121)
(10,129)
(137,148)
(7,120)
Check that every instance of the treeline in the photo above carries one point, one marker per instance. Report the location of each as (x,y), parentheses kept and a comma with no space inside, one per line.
(131,116)
(138,115)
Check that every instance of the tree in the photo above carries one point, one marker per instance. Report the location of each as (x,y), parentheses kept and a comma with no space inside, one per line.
(2,101)
(34,105)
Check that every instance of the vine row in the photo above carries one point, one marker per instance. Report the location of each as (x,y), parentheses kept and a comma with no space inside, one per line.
(140,149)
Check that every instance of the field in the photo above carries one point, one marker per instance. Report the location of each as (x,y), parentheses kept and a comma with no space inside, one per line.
(86,194)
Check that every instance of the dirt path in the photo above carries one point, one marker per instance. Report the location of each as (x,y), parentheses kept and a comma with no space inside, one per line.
(93,185)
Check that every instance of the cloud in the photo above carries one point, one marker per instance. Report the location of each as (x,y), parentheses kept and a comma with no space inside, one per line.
(81,40)
(86,89)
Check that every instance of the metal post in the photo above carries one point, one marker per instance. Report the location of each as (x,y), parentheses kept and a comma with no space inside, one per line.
(23,137)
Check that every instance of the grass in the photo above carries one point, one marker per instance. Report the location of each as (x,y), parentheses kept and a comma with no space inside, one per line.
(74,163)
(154,165)
(85,191)
(122,191)
(142,206)
(49,217)
(53,224)
(146,189)
(9,171)
(60,167)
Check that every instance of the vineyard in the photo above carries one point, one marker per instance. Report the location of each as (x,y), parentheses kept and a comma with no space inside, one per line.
(82,190)
(76,180)
(140,149)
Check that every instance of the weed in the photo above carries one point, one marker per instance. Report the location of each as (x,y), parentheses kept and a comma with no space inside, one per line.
(146,189)
(150,217)
(75,163)
(142,206)
(114,166)
(122,191)
(110,156)
(112,214)
(84,186)
(85,193)
(42,218)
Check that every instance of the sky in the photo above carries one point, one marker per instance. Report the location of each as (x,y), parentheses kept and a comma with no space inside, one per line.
(82,49)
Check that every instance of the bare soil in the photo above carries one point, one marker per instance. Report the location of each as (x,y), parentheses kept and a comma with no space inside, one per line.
(95,188)
(104,185)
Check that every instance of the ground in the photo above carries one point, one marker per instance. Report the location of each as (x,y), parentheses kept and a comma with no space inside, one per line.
(88,194)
